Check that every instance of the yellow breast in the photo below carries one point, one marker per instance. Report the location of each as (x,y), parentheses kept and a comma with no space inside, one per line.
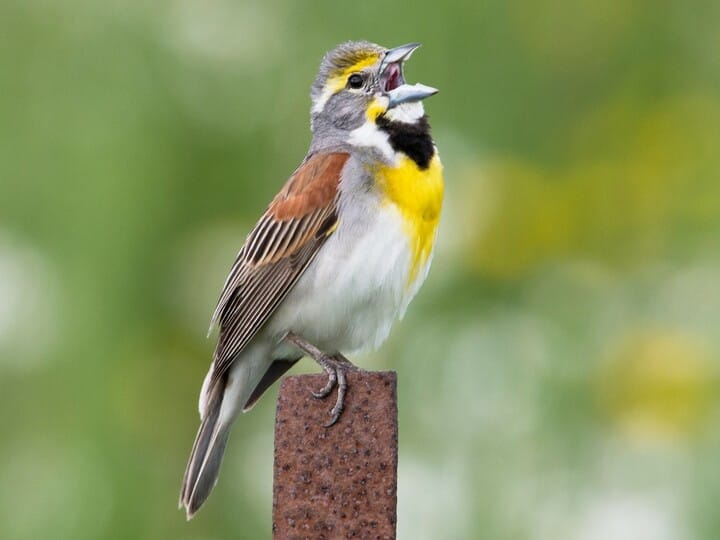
(418,195)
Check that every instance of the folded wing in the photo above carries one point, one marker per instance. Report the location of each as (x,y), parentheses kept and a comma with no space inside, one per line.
(277,251)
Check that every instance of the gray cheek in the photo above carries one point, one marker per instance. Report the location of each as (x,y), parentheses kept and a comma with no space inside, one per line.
(348,121)
(346,112)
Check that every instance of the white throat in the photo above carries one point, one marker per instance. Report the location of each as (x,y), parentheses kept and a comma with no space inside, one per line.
(409,113)
(370,136)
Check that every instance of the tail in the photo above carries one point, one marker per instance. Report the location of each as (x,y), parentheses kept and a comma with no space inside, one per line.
(220,403)
(206,456)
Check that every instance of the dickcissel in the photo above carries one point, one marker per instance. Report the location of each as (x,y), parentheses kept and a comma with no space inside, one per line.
(338,254)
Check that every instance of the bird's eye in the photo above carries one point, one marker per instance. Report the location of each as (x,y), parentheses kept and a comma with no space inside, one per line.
(355,81)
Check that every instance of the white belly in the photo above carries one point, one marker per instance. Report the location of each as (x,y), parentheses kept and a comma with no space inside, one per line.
(357,286)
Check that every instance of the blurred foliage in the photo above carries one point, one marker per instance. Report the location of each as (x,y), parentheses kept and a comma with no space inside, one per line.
(559,371)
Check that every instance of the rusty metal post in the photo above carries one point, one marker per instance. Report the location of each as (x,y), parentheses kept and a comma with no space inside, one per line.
(337,482)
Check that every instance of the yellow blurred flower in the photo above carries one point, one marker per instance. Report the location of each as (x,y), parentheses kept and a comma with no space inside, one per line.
(658,386)
(639,183)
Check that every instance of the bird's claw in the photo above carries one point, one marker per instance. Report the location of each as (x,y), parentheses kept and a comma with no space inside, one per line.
(328,388)
(336,368)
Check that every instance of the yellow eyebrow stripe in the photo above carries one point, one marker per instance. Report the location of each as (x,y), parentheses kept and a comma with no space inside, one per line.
(338,80)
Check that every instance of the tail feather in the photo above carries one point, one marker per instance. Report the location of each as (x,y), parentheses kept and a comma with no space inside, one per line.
(206,456)
(220,403)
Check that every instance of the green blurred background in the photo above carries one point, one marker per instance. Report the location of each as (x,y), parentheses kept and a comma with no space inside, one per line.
(558,374)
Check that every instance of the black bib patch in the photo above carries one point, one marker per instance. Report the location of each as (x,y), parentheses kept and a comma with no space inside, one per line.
(412,140)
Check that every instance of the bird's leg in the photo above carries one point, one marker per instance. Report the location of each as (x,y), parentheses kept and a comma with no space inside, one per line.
(336,368)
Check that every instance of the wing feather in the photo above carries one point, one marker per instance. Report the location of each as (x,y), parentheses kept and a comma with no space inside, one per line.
(277,251)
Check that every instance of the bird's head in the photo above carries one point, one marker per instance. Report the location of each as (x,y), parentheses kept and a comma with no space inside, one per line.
(361,82)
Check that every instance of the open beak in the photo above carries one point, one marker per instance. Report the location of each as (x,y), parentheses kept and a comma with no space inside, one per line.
(392,80)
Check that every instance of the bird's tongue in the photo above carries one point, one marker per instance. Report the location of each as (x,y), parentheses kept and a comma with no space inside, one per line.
(393,77)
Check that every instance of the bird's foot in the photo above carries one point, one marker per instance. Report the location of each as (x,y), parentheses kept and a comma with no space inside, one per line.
(336,368)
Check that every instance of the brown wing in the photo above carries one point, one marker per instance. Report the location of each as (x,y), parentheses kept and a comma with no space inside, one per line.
(275,254)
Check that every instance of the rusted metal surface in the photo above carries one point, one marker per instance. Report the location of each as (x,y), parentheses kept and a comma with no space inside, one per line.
(337,482)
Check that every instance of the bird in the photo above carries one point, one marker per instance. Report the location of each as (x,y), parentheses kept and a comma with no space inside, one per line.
(338,254)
